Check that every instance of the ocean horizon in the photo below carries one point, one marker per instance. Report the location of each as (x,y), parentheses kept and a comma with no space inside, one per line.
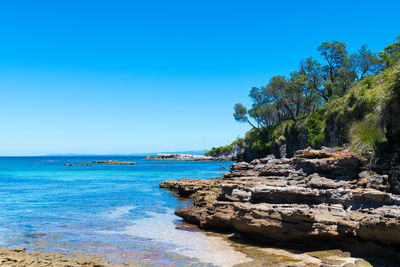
(144,154)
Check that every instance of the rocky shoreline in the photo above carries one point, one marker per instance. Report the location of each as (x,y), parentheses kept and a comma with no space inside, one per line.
(188,157)
(316,196)
(20,257)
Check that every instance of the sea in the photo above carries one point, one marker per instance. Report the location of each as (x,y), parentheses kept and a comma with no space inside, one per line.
(114,211)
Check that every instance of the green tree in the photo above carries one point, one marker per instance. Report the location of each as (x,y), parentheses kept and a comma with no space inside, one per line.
(313,84)
(240,114)
(311,72)
(391,54)
(262,111)
(306,100)
(365,62)
(279,100)
(281,95)
(335,55)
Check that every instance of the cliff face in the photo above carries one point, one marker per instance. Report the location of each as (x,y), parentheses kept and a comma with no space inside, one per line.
(316,195)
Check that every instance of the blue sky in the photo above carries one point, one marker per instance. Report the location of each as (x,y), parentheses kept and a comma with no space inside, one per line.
(146,76)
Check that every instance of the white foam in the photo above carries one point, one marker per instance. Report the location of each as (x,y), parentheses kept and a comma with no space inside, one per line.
(119,212)
(208,249)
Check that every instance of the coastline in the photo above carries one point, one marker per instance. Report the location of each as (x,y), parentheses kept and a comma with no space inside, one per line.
(232,191)
(319,197)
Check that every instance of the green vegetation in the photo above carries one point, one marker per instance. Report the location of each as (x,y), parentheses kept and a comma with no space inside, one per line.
(366,135)
(345,99)
(217,151)
(391,54)
(309,87)
(315,124)
(224,150)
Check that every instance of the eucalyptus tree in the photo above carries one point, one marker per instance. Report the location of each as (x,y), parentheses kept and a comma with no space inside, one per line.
(336,69)
(391,54)
(365,62)
(313,84)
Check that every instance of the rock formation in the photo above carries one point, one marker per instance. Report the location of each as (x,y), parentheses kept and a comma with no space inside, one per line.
(316,195)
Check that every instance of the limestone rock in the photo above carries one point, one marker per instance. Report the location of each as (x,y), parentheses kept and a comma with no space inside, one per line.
(340,163)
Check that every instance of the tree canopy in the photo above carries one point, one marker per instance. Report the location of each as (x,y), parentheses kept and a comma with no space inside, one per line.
(306,89)
(391,54)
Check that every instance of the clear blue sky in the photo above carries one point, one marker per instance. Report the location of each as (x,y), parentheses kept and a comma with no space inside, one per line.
(146,76)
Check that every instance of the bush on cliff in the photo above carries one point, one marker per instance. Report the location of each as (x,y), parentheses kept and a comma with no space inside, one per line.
(315,124)
(390,112)
(366,136)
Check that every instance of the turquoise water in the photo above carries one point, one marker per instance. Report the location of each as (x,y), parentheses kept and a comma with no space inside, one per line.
(117,211)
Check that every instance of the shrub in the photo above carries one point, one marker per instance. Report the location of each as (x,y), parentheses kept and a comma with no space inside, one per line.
(315,128)
(366,136)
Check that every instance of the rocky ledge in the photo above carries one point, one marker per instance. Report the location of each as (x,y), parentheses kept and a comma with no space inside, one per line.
(20,257)
(316,195)
(188,157)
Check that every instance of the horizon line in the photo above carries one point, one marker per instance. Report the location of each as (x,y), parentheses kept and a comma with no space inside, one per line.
(110,154)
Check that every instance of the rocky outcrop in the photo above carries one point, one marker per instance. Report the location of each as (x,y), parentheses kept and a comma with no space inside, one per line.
(316,195)
(189,187)
(188,157)
(20,257)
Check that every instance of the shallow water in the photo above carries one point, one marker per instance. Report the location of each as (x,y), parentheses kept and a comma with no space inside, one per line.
(116,211)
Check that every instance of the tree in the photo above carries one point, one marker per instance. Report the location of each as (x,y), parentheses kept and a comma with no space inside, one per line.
(278,91)
(265,115)
(312,85)
(365,62)
(262,111)
(306,100)
(312,75)
(240,114)
(391,54)
(279,100)
(335,55)
(346,78)
(296,86)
